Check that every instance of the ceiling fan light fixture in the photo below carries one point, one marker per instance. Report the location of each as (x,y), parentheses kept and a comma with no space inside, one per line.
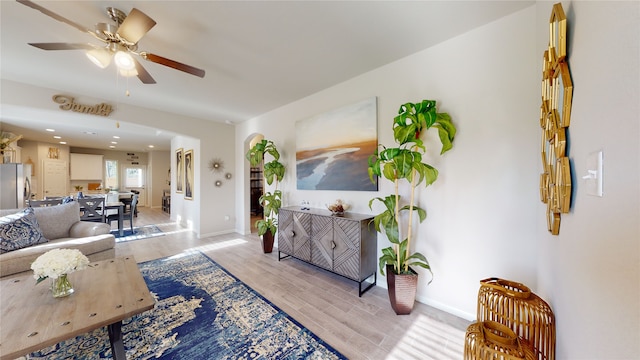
(100,57)
(124,61)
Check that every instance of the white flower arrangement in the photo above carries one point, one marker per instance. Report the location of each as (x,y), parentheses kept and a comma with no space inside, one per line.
(57,262)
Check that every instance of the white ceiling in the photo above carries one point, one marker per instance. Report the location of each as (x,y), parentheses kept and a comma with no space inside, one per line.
(258,55)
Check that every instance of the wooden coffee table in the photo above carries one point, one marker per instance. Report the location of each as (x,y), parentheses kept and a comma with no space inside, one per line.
(106,293)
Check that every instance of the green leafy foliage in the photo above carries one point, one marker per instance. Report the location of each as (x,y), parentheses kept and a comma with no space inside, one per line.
(255,155)
(273,171)
(270,224)
(386,221)
(271,202)
(390,257)
(405,162)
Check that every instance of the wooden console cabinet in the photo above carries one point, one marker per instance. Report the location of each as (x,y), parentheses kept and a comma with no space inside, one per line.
(345,245)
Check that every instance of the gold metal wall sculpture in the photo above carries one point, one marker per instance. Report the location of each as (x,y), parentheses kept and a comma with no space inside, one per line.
(69,103)
(555,115)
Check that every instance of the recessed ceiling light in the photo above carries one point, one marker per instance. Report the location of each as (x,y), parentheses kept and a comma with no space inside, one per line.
(116,137)
(57,137)
(63,142)
(151,146)
(112,147)
(50,130)
(114,142)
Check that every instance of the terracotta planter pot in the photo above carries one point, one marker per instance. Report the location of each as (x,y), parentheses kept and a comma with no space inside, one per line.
(267,242)
(402,290)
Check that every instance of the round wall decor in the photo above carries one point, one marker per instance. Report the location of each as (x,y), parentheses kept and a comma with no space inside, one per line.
(216,165)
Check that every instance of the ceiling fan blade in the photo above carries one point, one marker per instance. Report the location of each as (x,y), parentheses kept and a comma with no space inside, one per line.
(53,15)
(135,26)
(62,46)
(143,75)
(173,64)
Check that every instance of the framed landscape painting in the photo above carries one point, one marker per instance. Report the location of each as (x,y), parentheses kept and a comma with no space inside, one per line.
(333,148)
(188,175)
(179,170)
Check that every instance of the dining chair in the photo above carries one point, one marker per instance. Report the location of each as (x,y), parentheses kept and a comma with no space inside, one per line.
(92,209)
(135,211)
(127,214)
(126,201)
(43,203)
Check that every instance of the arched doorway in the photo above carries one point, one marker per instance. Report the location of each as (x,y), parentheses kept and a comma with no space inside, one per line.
(255,184)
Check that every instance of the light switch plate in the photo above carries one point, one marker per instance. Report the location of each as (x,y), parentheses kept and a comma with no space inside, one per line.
(593,178)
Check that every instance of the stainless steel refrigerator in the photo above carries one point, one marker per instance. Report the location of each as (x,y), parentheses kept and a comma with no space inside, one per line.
(15,185)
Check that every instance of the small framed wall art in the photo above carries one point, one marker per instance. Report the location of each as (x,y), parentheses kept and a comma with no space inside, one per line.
(188,172)
(179,170)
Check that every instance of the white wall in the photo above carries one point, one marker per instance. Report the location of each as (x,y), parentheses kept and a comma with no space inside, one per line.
(590,273)
(185,212)
(212,210)
(481,211)
(484,213)
(159,165)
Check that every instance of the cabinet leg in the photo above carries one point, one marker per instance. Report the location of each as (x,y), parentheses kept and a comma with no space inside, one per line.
(280,257)
(362,291)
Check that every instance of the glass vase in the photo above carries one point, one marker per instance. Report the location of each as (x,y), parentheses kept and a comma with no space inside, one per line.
(61,286)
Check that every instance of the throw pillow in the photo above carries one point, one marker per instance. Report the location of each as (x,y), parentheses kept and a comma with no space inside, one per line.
(20,230)
(56,221)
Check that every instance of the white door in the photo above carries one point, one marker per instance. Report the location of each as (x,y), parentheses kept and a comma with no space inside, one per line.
(134,177)
(55,179)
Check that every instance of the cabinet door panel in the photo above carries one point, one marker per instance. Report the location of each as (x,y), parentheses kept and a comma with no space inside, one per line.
(346,256)
(285,232)
(322,249)
(302,236)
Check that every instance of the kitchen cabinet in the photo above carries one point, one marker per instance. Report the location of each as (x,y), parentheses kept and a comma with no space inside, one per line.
(86,167)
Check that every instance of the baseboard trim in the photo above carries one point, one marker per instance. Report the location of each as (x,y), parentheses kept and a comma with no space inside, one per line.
(448,309)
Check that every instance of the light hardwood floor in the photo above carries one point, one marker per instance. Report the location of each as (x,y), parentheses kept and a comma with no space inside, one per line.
(359,327)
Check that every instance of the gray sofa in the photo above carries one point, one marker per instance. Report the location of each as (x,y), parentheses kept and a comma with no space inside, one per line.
(62,227)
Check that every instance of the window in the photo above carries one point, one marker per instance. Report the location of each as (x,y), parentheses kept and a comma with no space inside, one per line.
(111,174)
(134,177)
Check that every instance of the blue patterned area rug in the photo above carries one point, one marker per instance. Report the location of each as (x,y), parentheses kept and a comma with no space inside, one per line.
(138,233)
(202,312)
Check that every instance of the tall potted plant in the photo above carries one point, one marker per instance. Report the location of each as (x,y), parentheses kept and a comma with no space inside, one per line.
(405,162)
(273,171)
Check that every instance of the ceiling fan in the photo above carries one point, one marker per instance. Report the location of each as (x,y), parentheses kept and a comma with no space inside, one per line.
(119,42)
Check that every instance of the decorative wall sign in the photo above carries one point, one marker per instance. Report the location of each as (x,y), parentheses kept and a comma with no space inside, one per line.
(68,103)
(332,149)
(188,172)
(555,115)
(179,171)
